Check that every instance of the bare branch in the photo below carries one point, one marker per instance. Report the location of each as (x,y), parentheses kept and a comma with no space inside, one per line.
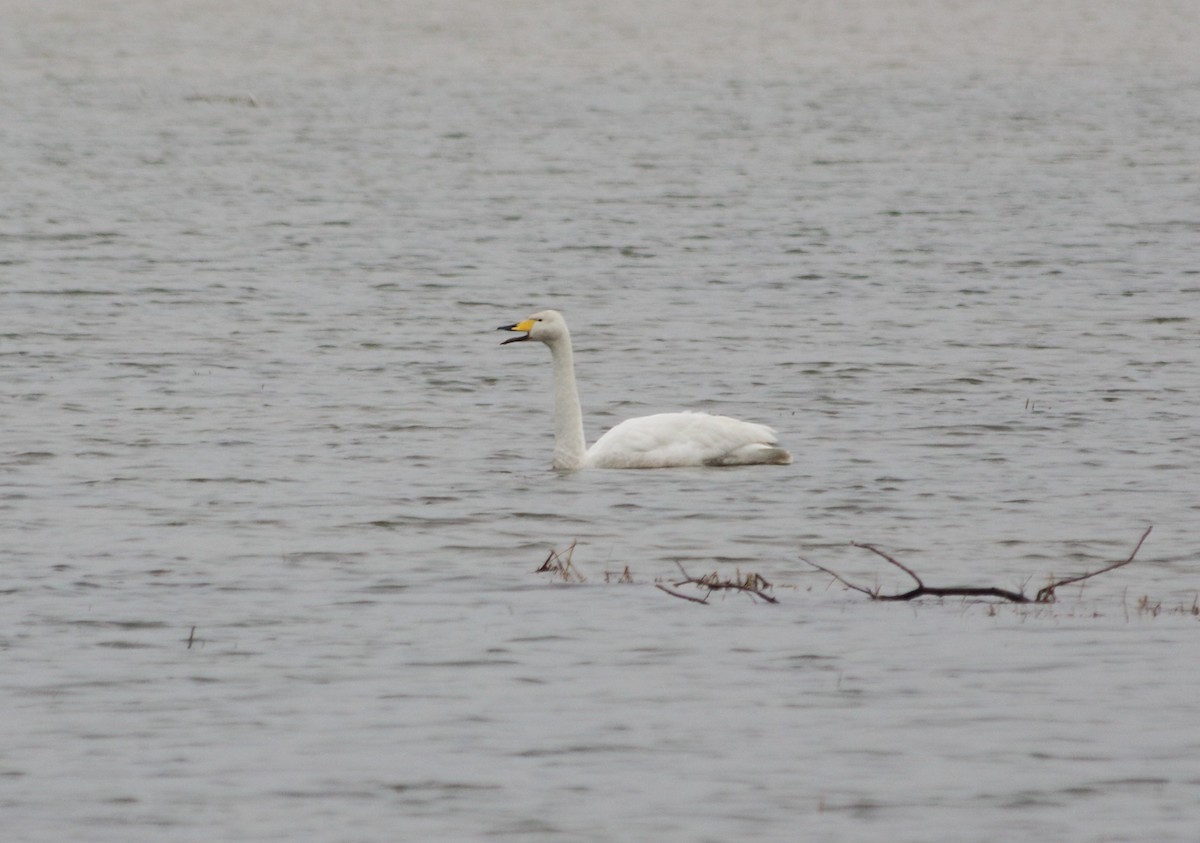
(1046,594)
(903,568)
(838,577)
(923,590)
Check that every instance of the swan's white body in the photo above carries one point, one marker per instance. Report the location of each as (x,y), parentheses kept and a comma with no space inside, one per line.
(659,441)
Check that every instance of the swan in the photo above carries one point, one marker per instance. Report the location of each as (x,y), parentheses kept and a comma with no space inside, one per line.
(660,441)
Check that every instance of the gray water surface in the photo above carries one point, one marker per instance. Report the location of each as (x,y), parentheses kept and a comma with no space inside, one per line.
(272,495)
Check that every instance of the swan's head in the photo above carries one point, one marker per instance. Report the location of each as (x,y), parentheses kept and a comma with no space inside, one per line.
(546,326)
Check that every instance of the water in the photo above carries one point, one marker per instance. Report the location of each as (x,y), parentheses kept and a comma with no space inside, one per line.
(272,494)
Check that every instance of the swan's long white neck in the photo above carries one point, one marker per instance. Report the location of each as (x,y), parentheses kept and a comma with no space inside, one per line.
(569,444)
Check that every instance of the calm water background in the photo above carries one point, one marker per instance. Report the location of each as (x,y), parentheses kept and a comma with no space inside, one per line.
(251,261)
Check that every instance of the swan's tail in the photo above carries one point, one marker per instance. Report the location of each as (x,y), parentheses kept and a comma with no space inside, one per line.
(756,454)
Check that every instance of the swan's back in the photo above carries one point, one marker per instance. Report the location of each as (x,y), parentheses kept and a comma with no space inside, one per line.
(680,439)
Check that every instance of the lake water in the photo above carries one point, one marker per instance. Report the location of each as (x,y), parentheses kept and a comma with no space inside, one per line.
(272,495)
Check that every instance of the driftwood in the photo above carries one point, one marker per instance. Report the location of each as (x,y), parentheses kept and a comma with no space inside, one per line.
(751,584)
(1044,594)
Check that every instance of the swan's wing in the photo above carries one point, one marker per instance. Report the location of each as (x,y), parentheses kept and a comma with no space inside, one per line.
(677,439)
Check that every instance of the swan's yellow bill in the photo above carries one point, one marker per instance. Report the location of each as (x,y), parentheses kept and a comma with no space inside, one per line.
(525,326)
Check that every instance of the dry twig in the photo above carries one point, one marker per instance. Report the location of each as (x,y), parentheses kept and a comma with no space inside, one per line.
(751,584)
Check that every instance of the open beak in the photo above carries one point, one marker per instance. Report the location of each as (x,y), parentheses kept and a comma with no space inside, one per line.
(525,326)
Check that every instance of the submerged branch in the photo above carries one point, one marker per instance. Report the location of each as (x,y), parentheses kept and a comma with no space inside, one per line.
(687,597)
(1044,595)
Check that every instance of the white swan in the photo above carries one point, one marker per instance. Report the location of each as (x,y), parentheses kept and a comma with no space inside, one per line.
(659,441)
